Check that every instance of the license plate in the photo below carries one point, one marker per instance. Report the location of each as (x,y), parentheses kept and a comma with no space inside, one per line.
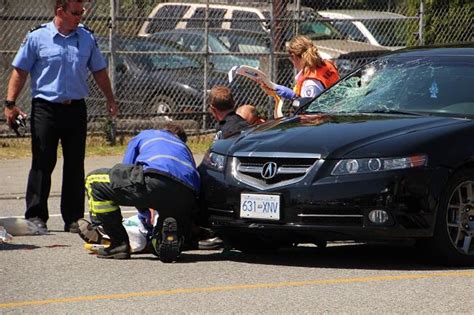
(260,206)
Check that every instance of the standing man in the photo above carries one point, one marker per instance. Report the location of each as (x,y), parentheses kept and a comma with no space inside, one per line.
(158,172)
(57,55)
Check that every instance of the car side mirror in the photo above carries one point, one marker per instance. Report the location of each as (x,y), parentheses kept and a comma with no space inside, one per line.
(302,101)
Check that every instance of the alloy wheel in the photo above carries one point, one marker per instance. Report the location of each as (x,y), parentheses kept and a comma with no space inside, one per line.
(460,218)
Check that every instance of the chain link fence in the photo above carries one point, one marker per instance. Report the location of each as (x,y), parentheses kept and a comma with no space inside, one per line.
(164,57)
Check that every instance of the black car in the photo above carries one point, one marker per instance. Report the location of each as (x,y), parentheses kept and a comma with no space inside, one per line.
(158,77)
(386,154)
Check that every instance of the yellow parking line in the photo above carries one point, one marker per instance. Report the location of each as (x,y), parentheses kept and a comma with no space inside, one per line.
(238,287)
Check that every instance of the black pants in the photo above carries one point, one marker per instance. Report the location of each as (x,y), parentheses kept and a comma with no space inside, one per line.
(108,189)
(50,123)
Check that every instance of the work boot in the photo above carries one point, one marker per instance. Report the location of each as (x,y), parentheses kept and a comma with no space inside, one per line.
(119,243)
(118,251)
(167,247)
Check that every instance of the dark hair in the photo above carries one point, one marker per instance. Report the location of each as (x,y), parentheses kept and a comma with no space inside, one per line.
(64,4)
(221,98)
(176,129)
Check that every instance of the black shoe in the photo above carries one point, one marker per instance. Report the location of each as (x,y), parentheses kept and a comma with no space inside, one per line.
(72,227)
(211,243)
(39,223)
(168,247)
(90,233)
(121,251)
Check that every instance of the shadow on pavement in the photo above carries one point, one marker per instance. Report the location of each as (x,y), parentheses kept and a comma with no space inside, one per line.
(349,256)
(8,246)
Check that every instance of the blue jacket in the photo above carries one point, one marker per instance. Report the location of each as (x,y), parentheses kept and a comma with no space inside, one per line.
(163,153)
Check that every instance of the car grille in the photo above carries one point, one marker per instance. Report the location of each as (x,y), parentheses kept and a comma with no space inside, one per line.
(271,170)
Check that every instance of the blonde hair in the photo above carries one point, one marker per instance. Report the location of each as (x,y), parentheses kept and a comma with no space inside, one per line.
(304,48)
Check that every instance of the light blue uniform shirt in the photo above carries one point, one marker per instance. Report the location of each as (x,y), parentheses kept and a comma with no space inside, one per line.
(58,64)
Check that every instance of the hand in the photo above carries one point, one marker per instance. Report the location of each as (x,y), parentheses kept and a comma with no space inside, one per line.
(12,113)
(112,108)
(266,89)
(285,92)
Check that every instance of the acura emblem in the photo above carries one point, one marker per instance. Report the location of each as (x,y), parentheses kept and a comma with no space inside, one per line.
(269,170)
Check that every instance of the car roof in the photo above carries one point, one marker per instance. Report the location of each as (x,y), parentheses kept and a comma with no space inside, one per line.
(456,49)
(214,31)
(120,40)
(211,5)
(361,14)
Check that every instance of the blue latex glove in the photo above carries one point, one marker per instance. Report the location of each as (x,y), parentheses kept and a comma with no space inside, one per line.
(285,92)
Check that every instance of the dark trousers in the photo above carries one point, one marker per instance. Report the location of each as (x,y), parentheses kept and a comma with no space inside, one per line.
(108,189)
(51,123)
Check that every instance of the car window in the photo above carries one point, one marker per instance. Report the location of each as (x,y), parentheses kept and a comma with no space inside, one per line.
(319,29)
(388,32)
(440,85)
(216,17)
(154,60)
(189,41)
(168,17)
(349,30)
(244,20)
(243,43)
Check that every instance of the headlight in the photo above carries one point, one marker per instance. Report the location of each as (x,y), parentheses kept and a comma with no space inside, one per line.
(372,165)
(214,160)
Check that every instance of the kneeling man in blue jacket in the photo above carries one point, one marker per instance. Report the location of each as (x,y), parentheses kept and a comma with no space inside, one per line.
(158,172)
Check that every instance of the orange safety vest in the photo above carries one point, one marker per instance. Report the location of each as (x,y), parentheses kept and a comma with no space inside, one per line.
(327,74)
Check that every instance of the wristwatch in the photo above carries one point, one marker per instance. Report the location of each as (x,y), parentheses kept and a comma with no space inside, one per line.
(9,104)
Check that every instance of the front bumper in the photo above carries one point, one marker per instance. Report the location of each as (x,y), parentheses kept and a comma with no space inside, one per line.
(332,207)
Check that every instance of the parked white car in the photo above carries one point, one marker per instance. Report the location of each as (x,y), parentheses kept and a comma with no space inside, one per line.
(378,28)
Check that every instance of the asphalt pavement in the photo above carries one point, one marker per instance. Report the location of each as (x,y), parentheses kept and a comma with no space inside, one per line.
(54,274)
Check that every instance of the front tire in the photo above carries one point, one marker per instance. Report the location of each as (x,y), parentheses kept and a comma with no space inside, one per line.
(453,242)
(162,104)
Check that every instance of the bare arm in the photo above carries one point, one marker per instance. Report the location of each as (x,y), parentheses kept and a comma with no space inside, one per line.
(15,85)
(102,79)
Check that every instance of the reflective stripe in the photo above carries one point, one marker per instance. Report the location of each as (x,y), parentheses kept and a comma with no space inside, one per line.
(104,208)
(164,156)
(159,139)
(99,206)
(99,178)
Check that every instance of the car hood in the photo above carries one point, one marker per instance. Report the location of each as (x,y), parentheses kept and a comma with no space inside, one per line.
(331,136)
(335,48)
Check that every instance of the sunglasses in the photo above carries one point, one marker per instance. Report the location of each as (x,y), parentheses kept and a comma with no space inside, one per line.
(77,13)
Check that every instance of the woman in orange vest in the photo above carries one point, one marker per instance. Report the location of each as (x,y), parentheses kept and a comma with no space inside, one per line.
(314,74)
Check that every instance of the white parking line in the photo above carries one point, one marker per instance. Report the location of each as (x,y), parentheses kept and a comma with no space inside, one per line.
(59,214)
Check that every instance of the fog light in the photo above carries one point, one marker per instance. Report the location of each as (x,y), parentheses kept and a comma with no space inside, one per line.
(378,216)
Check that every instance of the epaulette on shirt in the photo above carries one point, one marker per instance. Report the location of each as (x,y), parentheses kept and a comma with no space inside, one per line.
(90,31)
(37,27)
(86,28)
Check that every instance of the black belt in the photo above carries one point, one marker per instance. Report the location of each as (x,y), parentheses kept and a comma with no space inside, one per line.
(65,102)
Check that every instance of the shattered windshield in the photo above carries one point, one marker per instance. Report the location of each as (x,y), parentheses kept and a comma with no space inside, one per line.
(434,85)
